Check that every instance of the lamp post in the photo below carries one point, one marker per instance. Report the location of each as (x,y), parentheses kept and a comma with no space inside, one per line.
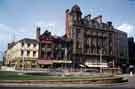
(113,64)
(23,63)
(65,57)
(101,60)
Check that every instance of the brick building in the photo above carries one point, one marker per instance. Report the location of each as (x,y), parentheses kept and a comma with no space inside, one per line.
(54,51)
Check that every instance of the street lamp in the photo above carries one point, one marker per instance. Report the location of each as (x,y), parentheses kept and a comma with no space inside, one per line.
(23,63)
(65,57)
(101,60)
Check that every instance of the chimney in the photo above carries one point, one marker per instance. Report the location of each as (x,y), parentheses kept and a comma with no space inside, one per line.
(9,45)
(37,33)
(109,23)
(67,22)
(98,18)
(88,17)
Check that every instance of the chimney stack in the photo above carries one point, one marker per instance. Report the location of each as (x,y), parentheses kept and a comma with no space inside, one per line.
(98,18)
(109,23)
(37,33)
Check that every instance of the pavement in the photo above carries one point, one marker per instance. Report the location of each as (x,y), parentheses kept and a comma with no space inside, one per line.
(128,85)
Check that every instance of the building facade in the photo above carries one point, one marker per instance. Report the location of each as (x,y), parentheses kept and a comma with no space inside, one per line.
(23,53)
(121,46)
(131,51)
(88,42)
(94,42)
(54,51)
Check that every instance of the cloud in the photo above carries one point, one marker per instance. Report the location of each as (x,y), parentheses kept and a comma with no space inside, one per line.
(128,28)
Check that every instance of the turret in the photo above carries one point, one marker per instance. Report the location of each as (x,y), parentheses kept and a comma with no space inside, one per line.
(76,13)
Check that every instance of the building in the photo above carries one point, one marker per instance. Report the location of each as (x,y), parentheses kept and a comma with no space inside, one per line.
(121,50)
(23,53)
(95,43)
(1,63)
(131,51)
(121,46)
(88,42)
(54,51)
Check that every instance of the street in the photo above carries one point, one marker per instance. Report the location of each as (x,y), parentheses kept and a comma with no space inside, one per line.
(61,88)
(129,85)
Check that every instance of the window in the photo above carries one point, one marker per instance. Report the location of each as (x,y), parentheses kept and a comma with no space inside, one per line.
(78,44)
(74,18)
(92,50)
(34,45)
(28,53)
(22,44)
(34,53)
(49,46)
(49,54)
(28,44)
(22,52)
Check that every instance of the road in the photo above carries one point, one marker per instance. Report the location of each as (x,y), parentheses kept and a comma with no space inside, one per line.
(60,88)
(129,85)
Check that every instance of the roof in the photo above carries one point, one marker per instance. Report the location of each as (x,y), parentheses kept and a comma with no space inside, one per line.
(75,8)
(26,40)
(120,32)
(10,45)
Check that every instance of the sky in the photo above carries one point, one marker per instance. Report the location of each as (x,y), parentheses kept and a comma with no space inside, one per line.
(19,18)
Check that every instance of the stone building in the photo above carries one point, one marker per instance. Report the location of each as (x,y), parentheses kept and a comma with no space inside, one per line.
(121,48)
(94,42)
(22,53)
(131,51)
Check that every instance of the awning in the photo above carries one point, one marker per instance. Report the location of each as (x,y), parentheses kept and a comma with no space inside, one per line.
(45,62)
(62,61)
(82,65)
(96,65)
